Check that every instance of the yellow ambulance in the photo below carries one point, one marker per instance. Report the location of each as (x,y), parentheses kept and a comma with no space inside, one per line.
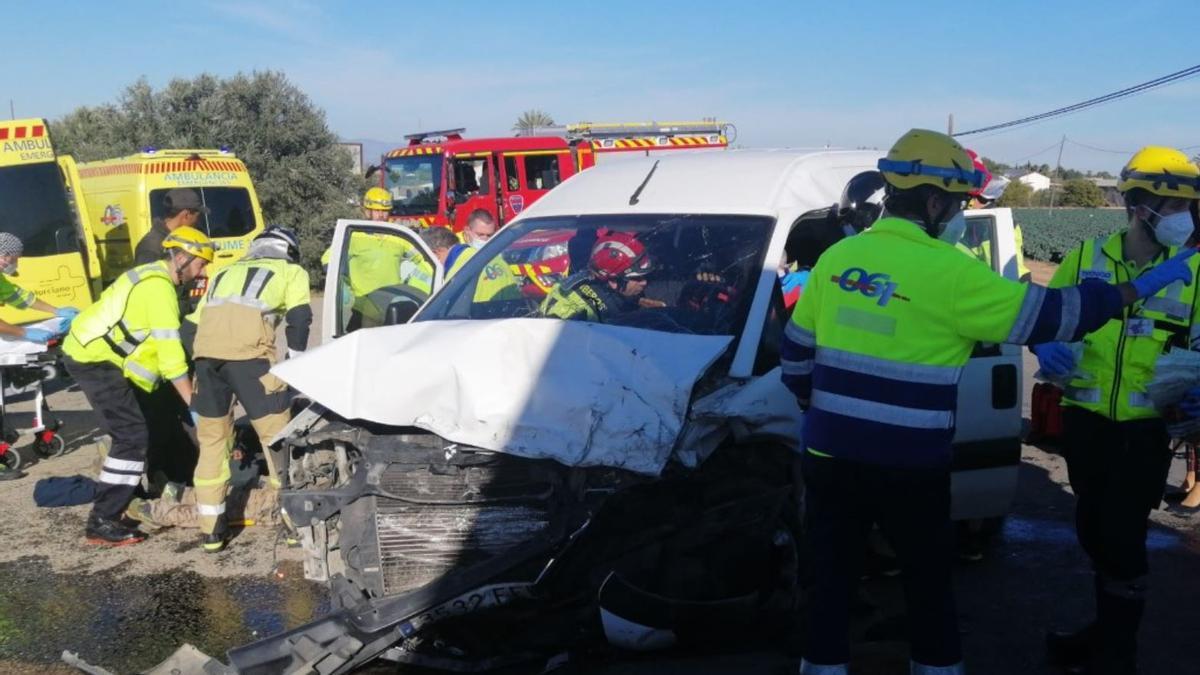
(120,199)
(35,206)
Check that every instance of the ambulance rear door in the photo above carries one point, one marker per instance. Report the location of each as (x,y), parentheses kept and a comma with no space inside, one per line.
(379,274)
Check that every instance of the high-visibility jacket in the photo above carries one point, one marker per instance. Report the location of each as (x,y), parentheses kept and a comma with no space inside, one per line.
(887,321)
(496,281)
(579,297)
(237,318)
(1119,359)
(13,295)
(134,326)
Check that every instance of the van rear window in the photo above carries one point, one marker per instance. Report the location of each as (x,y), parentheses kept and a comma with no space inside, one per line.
(229,211)
(33,206)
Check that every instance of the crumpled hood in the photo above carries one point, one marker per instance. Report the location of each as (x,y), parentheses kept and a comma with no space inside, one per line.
(580,393)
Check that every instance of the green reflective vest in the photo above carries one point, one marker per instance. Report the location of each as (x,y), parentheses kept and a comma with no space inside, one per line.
(134,326)
(237,318)
(496,281)
(1119,359)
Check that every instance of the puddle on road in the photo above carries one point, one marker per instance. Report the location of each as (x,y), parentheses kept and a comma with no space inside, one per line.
(1021,530)
(128,624)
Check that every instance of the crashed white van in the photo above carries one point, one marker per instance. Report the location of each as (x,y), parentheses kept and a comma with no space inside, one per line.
(486,463)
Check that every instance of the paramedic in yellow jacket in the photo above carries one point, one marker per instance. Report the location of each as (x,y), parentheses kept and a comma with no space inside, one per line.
(496,281)
(235,349)
(118,351)
(11,294)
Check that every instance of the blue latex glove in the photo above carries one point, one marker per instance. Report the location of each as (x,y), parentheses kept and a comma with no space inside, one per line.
(67,313)
(1164,274)
(195,419)
(1054,358)
(38,335)
(1190,405)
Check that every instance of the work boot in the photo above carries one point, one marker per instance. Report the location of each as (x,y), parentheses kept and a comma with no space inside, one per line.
(10,474)
(106,532)
(214,542)
(1070,649)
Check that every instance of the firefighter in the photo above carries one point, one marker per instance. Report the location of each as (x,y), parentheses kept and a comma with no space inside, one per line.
(612,284)
(874,353)
(235,349)
(376,204)
(118,350)
(181,208)
(1115,442)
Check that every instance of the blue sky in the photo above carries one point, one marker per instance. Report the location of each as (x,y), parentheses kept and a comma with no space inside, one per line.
(786,73)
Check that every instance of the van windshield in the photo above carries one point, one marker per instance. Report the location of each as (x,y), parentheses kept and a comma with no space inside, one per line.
(33,206)
(415,184)
(230,212)
(676,273)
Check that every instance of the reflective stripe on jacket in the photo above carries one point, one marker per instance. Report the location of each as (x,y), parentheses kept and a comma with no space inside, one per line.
(134,326)
(889,317)
(1119,359)
(13,295)
(237,318)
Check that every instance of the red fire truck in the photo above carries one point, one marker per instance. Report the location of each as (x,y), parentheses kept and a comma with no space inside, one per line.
(439,178)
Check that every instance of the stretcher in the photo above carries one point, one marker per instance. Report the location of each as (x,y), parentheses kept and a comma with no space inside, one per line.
(24,365)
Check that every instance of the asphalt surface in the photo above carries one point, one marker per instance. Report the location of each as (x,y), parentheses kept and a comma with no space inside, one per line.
(118,615)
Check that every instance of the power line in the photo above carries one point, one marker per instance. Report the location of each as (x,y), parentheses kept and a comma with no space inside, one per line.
(1039,152)
(1165,80)
(1092,147)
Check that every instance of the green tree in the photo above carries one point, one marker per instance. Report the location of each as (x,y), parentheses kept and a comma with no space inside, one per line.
(532,119)
(997,168)
(302,177)
(1016,195)
(1081,192)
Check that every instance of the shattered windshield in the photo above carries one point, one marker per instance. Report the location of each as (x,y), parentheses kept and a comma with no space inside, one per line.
(414,183)
(673,273)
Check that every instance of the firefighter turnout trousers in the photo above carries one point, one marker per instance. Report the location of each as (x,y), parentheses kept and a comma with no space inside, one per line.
(266,399)
(122,415)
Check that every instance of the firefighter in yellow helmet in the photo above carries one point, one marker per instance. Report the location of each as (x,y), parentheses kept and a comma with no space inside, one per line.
(235,349)
(1115,441)
(119,350)
(874,353)
(377,204)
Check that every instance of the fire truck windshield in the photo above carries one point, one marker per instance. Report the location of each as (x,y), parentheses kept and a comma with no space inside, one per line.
(415,184)
(33,206)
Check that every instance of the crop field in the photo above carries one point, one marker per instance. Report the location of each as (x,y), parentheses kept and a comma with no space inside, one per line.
(1051,233)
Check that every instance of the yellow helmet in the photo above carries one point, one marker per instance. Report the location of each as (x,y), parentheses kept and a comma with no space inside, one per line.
(191,240)
(1165,172)
(377,199)
(924,157)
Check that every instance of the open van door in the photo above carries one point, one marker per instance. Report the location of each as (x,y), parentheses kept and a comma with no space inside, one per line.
(379,274)
(987,440)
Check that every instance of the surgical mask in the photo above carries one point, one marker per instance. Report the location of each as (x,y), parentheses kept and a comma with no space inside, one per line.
(1173,230)
(477,243)
(10,269)
(952,231)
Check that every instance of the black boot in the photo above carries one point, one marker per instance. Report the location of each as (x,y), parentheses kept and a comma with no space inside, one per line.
(1118,618)
(111,532)
(214,542)
(1070,649)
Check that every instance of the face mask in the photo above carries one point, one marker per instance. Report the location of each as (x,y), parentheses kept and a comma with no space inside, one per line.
(477,243)
(10,269)
(952,232)
(1173,230)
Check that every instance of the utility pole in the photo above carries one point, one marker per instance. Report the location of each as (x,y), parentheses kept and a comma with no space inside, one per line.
(1057,171)
(950,125)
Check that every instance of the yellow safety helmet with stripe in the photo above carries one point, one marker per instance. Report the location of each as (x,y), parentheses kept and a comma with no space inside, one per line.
(1165,172)
(190,240)
(377,199)
(924,157)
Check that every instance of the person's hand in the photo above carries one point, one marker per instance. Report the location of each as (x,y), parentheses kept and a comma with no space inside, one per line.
(195,418)
(68,313)
(710,277)
(1164,274)
(38,335)
(650,303)
(1054,358)
(1190,405)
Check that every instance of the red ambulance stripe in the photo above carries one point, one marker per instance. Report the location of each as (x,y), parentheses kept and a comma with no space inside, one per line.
(39,131)
(20,132)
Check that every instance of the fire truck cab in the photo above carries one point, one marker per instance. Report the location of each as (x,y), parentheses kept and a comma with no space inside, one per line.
(440,177)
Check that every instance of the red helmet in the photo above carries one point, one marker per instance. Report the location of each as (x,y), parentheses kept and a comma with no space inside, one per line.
(987,175)
(619,255)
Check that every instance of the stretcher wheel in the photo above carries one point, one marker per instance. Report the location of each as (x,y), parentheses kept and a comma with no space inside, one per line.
(11,459)
(52,447)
